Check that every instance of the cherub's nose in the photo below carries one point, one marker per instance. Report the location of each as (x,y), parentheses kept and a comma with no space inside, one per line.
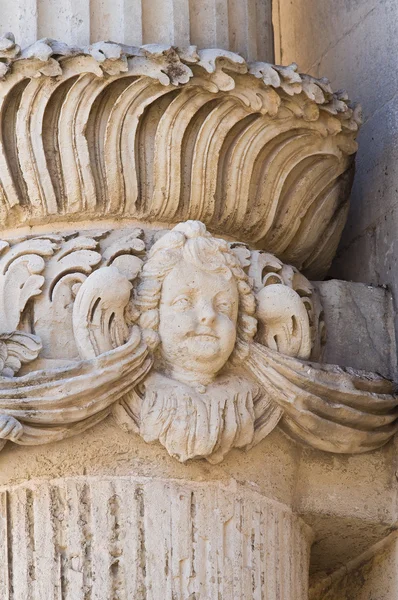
(207,314)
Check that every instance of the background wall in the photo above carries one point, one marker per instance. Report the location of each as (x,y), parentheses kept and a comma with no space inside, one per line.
(355,44)
(240,25)
(370,577)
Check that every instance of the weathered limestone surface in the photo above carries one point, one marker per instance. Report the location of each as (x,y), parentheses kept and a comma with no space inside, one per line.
(242,26)
(155,345)
(355,44)
(359,321)
(350,503)
(142,538)
(371,575)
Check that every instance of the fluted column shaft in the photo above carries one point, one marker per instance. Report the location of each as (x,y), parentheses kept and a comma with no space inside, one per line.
(127,537)
(242,26)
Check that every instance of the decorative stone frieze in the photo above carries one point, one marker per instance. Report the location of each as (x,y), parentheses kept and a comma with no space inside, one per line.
(186,339)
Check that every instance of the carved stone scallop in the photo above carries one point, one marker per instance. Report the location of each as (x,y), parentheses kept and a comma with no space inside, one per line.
(255,151)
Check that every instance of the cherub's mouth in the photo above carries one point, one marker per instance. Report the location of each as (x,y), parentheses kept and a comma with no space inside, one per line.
(203,334)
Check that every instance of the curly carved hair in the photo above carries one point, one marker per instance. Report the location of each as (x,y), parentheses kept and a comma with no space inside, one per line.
(190,241)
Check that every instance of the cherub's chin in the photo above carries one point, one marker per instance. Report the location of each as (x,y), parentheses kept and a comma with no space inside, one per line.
(204,347)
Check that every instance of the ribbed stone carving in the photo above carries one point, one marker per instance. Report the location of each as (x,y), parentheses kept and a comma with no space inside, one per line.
(125,538)
(257,152)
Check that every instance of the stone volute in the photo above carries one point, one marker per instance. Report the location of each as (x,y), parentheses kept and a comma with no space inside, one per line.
(163,210)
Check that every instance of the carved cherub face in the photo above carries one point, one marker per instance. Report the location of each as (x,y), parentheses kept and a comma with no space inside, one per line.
(197,307)
(198,317)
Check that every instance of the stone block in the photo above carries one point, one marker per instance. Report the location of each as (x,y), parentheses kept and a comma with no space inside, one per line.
(359,326)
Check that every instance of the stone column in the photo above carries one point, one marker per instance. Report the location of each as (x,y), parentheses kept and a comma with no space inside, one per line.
(107,418)
(129,537)
(242,26)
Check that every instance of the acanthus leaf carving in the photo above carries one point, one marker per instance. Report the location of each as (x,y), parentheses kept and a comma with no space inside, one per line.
(20,278)
(124,254)
(65,271)
(99,324)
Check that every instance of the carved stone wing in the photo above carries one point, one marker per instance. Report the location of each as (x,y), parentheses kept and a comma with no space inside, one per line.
(48,405)
(287,308)
(325,406)
(283,321)
(99,323)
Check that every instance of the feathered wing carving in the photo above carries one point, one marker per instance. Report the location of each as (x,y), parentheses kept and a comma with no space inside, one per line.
(99,317)
(98,314)
(325,406)
(287,307)
(284,323)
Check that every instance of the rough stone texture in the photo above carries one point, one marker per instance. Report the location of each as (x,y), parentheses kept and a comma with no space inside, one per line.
(349,501)
(359,322)
(372,575)
(116,537)
(356,45)
(241,26)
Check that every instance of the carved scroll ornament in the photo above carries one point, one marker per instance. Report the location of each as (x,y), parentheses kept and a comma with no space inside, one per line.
(187,339)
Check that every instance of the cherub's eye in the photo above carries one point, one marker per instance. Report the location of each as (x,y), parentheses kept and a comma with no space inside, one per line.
(182,302)
(223,306)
